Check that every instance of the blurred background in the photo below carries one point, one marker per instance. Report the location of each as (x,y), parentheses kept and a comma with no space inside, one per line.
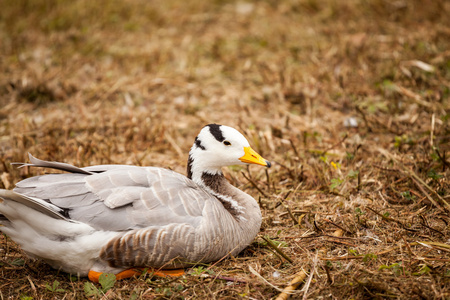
(318,87)
(75,71)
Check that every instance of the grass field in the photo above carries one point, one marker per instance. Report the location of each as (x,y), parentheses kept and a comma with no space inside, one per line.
(348,99)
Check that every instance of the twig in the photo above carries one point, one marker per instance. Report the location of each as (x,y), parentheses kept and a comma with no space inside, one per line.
(432,130)
(339,237)
(359,110)
(33,287)
(408,247)
(287,169)
(295,211)
(347,257)
(253,271)
(390,219)
(435,259)
(274,247)
(338,226)
(226,278)
(410,94)
(429,227)
(223,257)
(327,270)
(255,185)
(337,233)
(426,194)
(298,211)
(358,187)
(341,141)
(442,158)
(308,282)
(291,215)
(432,244)
(339,242)
(376,286)
(384,169)
(315,225)
(288,209)
(293,285)
(294,148)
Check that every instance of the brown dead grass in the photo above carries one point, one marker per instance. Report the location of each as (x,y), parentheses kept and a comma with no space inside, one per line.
(93,82)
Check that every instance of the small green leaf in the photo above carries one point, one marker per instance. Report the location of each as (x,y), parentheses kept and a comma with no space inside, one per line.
(359,212)
(275,242)
(134,296)
(407,195)
(397,142)
(382,267)
(353,174)
(335,182)
(54,287)
(178,288)
(168,292)
(434,175)
(107,281)
(424,269)
(18,262)
(434,156)
(90,290)
(349,155)
(396,268)
(388,85)
(353,252)
(200,270)
(369,257)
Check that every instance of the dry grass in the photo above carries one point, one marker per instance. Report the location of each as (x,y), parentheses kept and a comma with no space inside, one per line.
(132,82)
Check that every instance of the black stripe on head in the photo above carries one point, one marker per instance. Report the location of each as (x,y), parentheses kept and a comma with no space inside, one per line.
(216,132)
(198,143)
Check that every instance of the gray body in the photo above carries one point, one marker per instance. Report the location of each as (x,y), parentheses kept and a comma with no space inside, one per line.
(138,216)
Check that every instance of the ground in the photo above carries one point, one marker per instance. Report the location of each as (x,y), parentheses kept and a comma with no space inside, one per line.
(348,99)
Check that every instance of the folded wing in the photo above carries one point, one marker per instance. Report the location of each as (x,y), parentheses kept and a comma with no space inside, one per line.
(118,197)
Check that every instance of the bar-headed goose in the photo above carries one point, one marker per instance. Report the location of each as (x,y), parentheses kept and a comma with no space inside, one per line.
(111,218)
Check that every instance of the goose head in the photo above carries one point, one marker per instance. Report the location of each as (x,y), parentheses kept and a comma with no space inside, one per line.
(217,146)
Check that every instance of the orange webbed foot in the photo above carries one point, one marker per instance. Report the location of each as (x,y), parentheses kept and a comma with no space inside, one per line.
(165,273)
(94,276)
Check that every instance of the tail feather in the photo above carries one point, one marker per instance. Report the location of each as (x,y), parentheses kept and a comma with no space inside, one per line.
(3,219)
(35,162)
(36,204)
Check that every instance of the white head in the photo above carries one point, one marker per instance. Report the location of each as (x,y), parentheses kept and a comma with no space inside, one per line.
(217,146)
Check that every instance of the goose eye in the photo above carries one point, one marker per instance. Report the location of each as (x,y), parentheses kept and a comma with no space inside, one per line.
(226,143)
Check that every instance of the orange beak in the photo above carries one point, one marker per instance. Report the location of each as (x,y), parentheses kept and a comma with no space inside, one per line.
(251,157)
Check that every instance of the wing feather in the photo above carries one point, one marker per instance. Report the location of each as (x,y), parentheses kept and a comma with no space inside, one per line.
(118,197)
(75,200)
